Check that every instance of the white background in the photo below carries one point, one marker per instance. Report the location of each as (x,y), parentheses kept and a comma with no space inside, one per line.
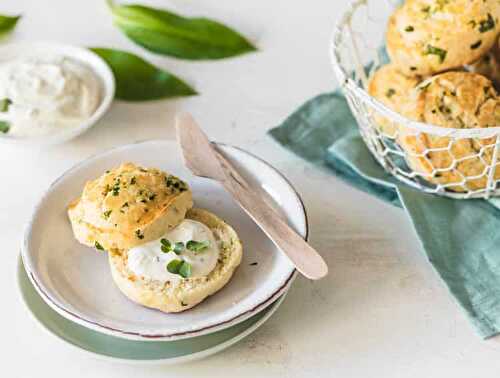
(382,311)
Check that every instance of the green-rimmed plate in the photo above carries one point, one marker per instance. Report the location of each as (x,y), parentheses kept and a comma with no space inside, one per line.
(130,351)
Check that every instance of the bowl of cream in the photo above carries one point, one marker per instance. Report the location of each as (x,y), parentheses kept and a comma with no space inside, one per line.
(50,93)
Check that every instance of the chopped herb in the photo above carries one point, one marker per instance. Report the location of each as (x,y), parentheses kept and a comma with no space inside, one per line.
(472,23)
(178,247)
(107,213)
(107,171)
(390,92)
(152,197)
(185,270)
(125,205)
(486,25)
(426,10)
(4,127)
(98,246)
(139,234)
(412,68)
(174,266)
(433,50)
(166,246)
(475,45)
(183,304)
(196,246)
(254,263)
(179,267)
(409,28)
(133,180)
(4,104)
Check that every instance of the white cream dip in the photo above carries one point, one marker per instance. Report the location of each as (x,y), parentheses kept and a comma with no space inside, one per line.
(41,95)
(149,261)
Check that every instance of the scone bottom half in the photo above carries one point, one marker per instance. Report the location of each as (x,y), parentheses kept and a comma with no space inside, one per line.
(128,206)
(188,292)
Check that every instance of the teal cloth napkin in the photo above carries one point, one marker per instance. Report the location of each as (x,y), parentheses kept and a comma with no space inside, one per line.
(460,237)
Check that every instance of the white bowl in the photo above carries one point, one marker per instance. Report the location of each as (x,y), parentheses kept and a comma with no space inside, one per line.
(75,280)
(80,54)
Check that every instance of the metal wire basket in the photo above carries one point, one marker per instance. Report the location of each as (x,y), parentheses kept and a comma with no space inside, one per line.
(356,53)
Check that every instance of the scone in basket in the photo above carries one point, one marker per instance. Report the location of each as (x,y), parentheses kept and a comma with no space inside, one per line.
(460,163)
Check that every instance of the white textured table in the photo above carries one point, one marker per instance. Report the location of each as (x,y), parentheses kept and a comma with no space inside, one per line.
(381,312)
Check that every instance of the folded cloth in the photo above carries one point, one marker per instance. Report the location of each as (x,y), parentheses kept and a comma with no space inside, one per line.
(460,237)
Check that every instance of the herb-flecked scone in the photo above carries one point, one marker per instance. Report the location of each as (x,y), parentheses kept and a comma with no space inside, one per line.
(193,272)
(392,88)
(128,206)
(430,36)
(453,100)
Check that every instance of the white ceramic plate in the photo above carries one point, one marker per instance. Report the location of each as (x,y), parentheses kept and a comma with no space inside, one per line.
(110,348)
(75,280)
(80,54)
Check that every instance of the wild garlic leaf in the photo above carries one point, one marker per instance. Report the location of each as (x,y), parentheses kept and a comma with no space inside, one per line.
(185,270)
(138,80)
(167,33)
(7,23)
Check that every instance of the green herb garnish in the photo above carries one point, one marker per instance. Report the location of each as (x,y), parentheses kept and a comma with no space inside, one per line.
(166,246)
(433,50)
(139,234)
(133,180)
(107,213)
(7,23)
(486,25)
(98,246)
(179,267)
(178,247)
(196,246)
(4,127)
(409,28)
(4,104)
(475,45)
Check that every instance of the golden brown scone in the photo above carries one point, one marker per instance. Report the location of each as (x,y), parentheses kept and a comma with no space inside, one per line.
(488,65)
(428,36)
(127,206)
(392,88)
(453,100)
(187,292)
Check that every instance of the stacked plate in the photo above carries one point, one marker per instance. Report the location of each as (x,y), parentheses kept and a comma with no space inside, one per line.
(68,288)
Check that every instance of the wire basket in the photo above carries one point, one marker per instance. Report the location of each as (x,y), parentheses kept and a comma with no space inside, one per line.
(356,53)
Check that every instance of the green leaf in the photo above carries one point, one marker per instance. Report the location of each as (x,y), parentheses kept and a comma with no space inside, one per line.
(98,246)
(185,270)
(7,23)
(138,80)
(196,246)
(167,33)
(178,247)
(4,127)
(174,266)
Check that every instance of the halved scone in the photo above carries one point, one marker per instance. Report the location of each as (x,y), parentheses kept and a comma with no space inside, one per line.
(128,206)
(184,293)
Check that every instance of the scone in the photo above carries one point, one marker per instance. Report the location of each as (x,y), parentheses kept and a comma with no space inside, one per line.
(453,100)
(182,293)
(429,36)
(128,206)
(392,88)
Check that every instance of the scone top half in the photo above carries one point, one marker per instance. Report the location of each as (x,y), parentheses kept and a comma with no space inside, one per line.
(128,206)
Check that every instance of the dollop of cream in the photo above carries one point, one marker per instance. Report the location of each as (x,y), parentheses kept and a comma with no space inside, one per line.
(47,94)
(149,261)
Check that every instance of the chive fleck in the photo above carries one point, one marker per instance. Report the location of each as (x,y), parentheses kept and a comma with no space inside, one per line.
(475,45)
(390,92)
(98,246)
(133,180)
(487,24)
(107,213)
(409,29)
(439,52)
(196,246)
